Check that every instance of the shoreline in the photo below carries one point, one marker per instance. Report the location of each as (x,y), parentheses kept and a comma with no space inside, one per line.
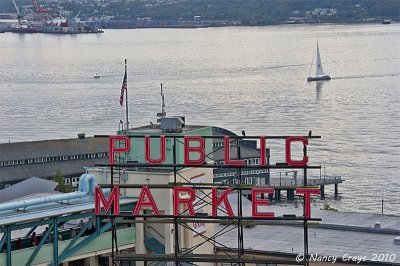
(203,25)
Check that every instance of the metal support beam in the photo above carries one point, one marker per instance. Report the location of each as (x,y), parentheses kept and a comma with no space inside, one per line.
(277,194)
(55,241)
(30,231)
(68,253)
(2,241)
(42,241)
(8,252)
(306,263)
(73,241)
(290,194)
(322,192)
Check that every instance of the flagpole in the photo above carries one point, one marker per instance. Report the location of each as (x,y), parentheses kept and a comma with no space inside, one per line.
(126,98)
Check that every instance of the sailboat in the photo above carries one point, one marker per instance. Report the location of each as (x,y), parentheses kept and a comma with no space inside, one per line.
(319,75)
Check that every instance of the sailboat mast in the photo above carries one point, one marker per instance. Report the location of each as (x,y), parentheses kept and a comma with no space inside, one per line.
(312,62)
(318,64)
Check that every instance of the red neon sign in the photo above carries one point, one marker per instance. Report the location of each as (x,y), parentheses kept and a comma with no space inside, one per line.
(288,143)
(186,196)
(260,202)
(145,192)
(200,150)
(162,150)
(113,200)
(115,149)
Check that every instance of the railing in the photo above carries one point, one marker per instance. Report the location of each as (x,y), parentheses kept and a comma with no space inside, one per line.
(311,181)
(153,244)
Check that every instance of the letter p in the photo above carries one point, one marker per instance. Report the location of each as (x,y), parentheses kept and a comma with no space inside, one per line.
(113,149)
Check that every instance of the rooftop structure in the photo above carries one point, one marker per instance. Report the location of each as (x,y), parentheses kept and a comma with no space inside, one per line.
(27,188)
(22,160)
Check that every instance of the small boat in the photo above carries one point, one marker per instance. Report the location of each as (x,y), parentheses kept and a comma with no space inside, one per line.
(23,26)
(319,74)
(97,76)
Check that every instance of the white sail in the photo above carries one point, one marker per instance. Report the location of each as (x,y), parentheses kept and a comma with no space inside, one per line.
(320,70)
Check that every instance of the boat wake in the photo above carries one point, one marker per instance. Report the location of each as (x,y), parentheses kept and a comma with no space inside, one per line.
(368,76)
(284,66)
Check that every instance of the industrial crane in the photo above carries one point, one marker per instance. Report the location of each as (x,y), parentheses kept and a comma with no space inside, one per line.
(39,8)
(17,9)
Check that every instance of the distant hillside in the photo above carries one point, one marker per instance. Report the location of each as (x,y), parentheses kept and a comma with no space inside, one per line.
(245,12)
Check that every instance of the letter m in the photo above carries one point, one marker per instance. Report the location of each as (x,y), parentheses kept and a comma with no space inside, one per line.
(113,200)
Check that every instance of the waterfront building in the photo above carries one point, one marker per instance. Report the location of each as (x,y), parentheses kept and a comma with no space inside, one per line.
(22,160)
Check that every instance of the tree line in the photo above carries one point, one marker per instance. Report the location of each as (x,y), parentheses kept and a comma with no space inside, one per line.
(248,12)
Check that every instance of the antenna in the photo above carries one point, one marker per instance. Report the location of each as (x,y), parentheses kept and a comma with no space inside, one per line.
(163,113)
(163,103)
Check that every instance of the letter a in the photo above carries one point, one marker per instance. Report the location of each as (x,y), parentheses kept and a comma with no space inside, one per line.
(145,192)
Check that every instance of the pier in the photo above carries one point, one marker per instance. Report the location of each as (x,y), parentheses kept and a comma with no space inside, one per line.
(289,184)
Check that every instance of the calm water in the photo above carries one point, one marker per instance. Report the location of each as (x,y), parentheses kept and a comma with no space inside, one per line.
(237,78)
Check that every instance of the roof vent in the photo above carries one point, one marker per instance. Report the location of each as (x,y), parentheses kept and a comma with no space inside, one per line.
(377,226)
(172,124)
(81,136)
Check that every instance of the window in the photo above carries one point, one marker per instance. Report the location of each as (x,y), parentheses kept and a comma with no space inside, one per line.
(40,160)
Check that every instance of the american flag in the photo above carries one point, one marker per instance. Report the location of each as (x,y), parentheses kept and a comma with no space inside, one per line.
(124,87)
